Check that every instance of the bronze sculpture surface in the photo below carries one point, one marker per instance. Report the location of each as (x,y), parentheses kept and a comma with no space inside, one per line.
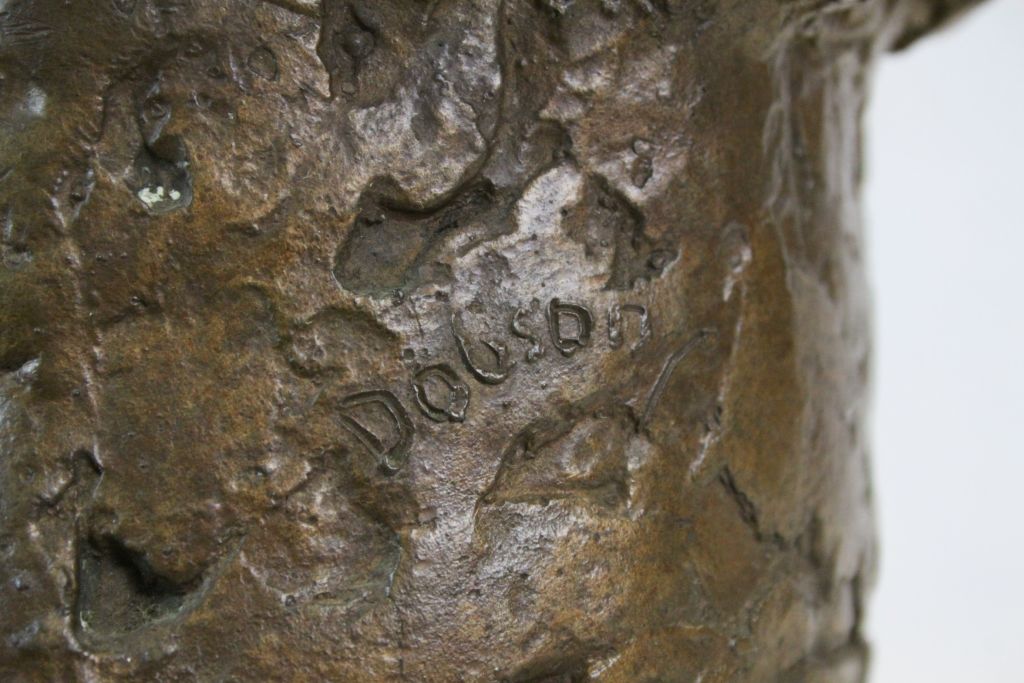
(447,340)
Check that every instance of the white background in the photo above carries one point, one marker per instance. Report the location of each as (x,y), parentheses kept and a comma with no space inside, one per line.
(945,225)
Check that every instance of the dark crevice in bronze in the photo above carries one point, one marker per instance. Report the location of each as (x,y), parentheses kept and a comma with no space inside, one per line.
(746,508)
(389,248)
(119,592)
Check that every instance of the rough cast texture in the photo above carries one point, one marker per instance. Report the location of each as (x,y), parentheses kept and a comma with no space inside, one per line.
(449,340)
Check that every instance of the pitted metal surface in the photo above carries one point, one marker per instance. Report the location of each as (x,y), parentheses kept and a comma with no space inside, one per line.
(447,340)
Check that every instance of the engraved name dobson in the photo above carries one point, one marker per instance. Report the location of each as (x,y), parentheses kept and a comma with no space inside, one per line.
(381,423)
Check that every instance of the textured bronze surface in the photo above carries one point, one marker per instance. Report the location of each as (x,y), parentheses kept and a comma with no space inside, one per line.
(448,340)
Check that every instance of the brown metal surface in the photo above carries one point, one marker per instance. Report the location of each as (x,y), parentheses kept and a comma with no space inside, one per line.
(450,340)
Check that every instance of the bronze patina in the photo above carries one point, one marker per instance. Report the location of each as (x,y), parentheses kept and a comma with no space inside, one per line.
(447,340)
